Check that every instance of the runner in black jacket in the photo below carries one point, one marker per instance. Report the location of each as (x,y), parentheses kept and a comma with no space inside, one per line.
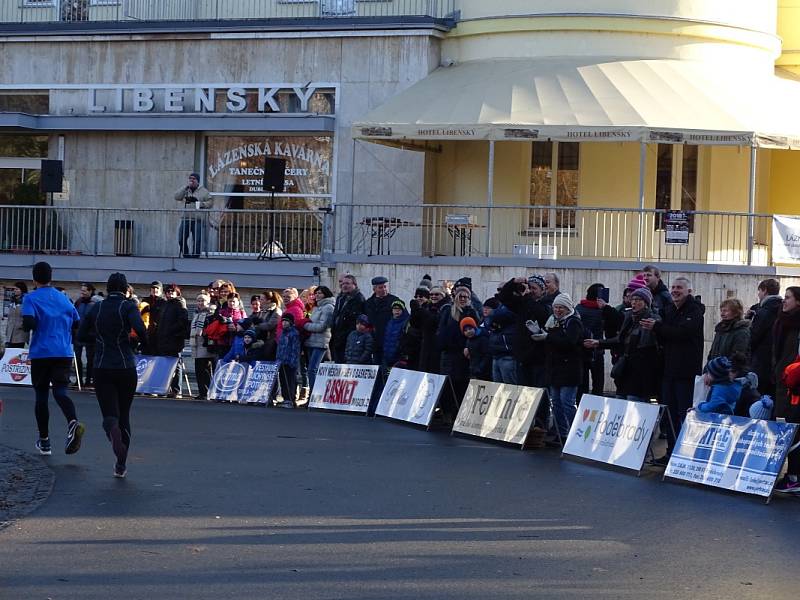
(110,323)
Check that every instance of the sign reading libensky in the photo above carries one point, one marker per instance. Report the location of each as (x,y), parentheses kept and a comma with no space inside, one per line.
(410,396)
(15,367)
(734,453)
(613,431)
(498,411)
(343,387)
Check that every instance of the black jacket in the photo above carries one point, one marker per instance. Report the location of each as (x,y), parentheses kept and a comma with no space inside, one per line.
(347,309)
(425,318)
(379,311)
(108,325)
(502,333)
(641,375)
(452,343)
(661,298)
(764,315)
(565,352)
(680,333)
(173,328)
(480,361)
(526,308)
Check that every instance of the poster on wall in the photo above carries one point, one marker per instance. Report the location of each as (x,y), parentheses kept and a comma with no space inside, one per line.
(236,165)
(676,227)
(786,240)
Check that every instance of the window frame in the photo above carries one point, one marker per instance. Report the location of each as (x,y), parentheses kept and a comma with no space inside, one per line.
(554,206)
(676,184)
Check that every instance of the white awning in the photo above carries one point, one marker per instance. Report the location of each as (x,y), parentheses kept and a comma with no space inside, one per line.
(569,99)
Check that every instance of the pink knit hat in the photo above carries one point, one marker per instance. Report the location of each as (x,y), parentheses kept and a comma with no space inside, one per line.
(637,283)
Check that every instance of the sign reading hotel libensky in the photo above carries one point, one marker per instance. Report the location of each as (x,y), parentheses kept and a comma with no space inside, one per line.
(236,163)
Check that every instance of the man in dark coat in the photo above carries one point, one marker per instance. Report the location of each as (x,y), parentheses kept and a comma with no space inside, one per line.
(349,305)
(172,333)
(378,308)
(661,295)
(600,319)
(425,317)
(763,316)
(680,334)
(155,302)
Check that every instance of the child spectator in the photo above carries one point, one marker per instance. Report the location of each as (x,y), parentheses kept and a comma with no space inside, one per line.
(393,333)
(246,348)
(288,357)
(724,392)
(360,343)
(741,372)
(477,350)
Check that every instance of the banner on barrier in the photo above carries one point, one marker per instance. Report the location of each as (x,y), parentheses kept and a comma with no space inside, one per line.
(786,239)
(733,453)
(498,411)
(228,382)
(410,396)
(15,367)
(612,431)
(260,381)
(343,387)
(154,374)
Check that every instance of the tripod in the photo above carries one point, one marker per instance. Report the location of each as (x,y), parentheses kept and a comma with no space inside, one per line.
(272,249)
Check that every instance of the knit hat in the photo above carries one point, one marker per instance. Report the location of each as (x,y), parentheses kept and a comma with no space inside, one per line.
(467,322)
(288,317)
(157,284)
(196,176)
(426,282)
(762,409)
(437,290)
(364,320)
(637,282)
(464,282)
(643,293)
(719,367)
(250,332)
(399,304)
(537,280)
(565,301)
(423,292)
(492,303)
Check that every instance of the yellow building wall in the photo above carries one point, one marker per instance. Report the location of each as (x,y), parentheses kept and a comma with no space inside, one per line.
(784,182)
(789,31)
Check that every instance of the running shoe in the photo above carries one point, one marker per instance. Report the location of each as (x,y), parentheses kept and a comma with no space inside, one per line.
(286,404)
(75,431)
(787,485)
(43,446)
(120,471)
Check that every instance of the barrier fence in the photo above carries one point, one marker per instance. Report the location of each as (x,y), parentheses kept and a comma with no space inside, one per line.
(72,11)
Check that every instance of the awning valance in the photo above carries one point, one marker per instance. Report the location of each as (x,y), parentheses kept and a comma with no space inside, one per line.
(569,99)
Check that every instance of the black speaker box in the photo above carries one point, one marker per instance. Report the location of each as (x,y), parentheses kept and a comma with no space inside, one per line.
(274,174)
(51,176)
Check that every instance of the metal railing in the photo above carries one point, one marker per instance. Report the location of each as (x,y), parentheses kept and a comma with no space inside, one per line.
(298,233)
(76,11)
(550,233)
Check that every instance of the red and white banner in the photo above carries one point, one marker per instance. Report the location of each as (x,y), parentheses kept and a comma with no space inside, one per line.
(15,367)
(343,387)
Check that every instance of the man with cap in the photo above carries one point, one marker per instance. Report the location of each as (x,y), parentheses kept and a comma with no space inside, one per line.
(192,197)
(51,318)
(151,313)
(378,309)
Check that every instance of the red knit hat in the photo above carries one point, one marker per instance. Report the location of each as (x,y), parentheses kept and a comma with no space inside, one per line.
(467,322)
(637,283)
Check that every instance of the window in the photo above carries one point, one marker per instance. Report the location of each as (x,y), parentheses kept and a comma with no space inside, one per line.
(554,162)
(31,103)
(676,179)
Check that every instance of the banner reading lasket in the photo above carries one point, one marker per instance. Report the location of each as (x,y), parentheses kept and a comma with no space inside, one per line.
(410,396)
(343,387)
(498,411)
(613,431)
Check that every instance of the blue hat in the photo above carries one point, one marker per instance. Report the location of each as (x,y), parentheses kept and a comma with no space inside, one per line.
(250,332)
(762,409)
(718,368)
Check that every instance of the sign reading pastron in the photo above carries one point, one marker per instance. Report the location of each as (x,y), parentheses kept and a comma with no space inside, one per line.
(343,387)
(15,367)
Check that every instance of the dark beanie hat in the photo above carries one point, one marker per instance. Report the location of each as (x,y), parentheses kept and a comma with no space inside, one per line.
(423,292)
(195,175)
(464,282)
(426,282)
(117,282)
(594,291)
(492,303)
(288,317)
(718,367)
(42,272)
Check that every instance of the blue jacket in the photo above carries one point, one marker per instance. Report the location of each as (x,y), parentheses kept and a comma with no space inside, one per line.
(289,348)
(722,398)
(391,338)
(502,333)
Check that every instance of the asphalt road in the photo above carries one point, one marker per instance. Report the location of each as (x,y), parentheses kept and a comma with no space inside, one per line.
(241,502)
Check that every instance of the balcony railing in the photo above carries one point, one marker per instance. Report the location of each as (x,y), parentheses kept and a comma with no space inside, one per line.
(77,11)
(390,233)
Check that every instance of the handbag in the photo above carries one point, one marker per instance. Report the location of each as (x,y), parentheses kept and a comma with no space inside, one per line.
(619,368)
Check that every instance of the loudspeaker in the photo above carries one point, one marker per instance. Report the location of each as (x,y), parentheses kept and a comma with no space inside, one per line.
(51,176)
(274,174)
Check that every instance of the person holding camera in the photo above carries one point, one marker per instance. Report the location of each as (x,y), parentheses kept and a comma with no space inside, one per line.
(194,197)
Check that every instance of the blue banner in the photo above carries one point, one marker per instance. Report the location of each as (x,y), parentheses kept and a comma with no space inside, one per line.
(261,380)
(228,382)
(154,374)
(734,453)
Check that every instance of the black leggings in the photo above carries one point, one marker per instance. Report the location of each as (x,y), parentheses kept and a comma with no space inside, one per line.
(42,411)
(114,389)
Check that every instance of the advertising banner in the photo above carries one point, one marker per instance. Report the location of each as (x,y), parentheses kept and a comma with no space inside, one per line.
(343,387)
(733,453)
(498,411)
(154,374)
(612,431)
(410,396)
(786,240)
(15,368)
(228,381)
(260,381)
(676,227)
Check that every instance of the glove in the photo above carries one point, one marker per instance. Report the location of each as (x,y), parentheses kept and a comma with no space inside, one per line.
(539,337)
